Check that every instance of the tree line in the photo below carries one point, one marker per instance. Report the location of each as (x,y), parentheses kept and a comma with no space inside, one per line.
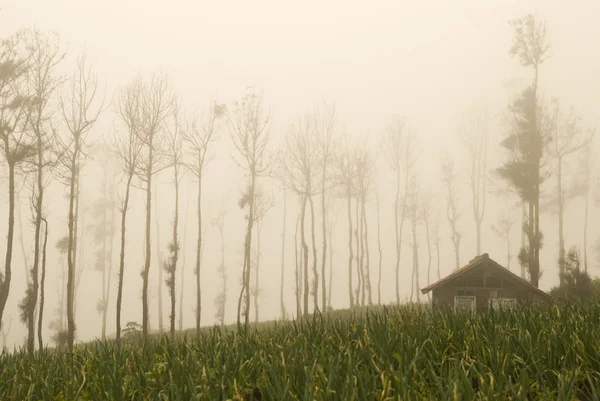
(46,121)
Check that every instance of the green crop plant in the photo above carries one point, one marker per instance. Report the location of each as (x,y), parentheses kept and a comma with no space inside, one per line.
(392,353)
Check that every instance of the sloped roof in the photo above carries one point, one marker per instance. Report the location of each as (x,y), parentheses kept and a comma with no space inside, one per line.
(477,262)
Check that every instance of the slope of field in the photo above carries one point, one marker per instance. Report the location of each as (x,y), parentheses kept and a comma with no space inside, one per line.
(393,353)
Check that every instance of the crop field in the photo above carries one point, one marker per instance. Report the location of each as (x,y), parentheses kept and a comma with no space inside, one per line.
(392,353)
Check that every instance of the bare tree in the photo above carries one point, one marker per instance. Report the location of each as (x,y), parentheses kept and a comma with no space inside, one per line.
(301,175)
(15,144)
(365,176)
(503,229)
(156,106)
(250,129)
(587,163)
(379,276)
(475,139)
(568,137)
(399,148)
(414,216)
(325,123)
(159,257)
(198,136)
(425,209)
(221,299)
(437,240)
(343,176)
(283,232)
(42,286)
(103,229)
(128,149)
(452,213)
(79,115)
(42,82)
(175,160)
(330,227)
(182,274)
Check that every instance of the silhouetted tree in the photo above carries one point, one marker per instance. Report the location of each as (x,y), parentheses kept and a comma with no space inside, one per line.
(452,212)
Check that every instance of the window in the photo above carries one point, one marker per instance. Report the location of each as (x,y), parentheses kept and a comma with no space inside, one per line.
(464,303)
(461,292)
(503,303)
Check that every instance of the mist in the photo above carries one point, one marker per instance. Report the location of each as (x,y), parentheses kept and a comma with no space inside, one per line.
(432,65)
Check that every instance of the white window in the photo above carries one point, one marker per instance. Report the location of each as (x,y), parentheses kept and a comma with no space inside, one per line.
(464,303)
(503,303)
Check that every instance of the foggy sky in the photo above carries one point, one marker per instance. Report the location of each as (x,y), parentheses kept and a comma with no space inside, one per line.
(431,62)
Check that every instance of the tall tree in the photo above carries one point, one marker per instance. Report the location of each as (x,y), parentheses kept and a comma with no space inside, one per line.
(42,286)
(526,143)
(198,136)
(283,232)
(301,176)
(15,144)
(156,106)
(414,216)
(399,148)
(452,212)
(250,130)
(365,176)
(568,137)
(80,114)
(182,274)
(43,82)
(127,148)
(475,139)
(325,123)
(343,176)
(221,299)
(175,160)
(587,163)
(379,276)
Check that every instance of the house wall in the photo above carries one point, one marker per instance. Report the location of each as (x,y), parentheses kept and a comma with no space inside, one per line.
(444,295)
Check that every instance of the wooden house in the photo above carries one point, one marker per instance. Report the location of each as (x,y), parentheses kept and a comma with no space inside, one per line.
(483,283)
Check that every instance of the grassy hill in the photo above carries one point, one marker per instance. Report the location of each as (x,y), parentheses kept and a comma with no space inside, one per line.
(377,353)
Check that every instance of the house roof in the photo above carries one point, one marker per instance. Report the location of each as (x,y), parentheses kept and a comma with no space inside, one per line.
(477,262)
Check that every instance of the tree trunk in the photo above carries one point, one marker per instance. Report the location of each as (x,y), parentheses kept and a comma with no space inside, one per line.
(110,264)
(350,254)
(305,257)
(524,235)
(248,246)
(122,257)
(281,301)
(367,266)
(561,238)
(360,289)
(298,269)
(183,248)
(428,255)
(160,263)
(148,256)
(173,267)
(330,234)
(71,251)
(398,234)
(585,226)
(380,254)
(324,234)
(256,270)
(314,252)
(198,259)
(42,287)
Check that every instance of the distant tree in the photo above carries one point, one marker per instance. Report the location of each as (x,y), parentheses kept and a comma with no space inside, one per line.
(330,227)
(399,148)
(325,124)
(198,136)
(283,232)
(437,240)
(79,116)
(475,139)
(159,256)
(452,212)
(575,283)
(503,229)
(379,276)
(425,210)
(365,177)
(567,138)
(15,145)
(414,216)
(301,176)
(343,176)
(183,262)
(250,129)
(221,298)
(526,143)
(156,101)
(175,161)
(127,148)
(42,286)
(103,229)
(587,163)
(44,56)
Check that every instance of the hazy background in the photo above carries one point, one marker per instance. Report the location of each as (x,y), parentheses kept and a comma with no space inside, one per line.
(431,62)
